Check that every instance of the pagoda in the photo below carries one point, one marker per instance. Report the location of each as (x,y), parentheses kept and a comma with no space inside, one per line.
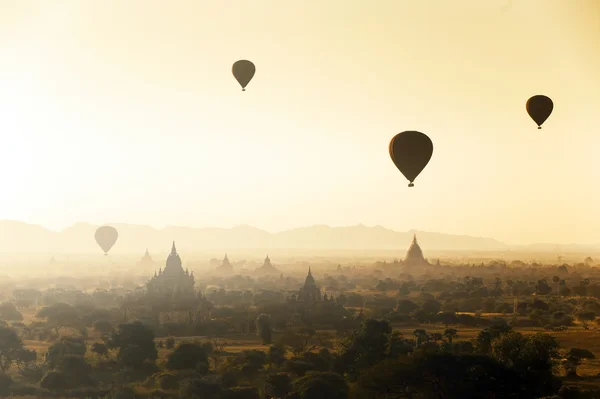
(309,292)
(267,267)
(225,267)
(173,279)
(414,255)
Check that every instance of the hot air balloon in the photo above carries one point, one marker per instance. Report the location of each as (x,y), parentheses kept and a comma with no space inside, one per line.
(106,236)
(411,152)
(539,109)
(243,71)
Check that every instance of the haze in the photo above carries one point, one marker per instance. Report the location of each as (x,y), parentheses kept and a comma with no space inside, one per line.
(127,112)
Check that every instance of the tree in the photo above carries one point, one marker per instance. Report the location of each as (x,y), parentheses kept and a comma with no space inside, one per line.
(364,347)
(276,355)
(103,326)
(278,385)
(320,385)
(135,344)
(584,317)
(450,334)
(11,348)
(9,312)
(218,351)
(421,336)
(76,371)
(199,389)
(573,359)
(264,328)
(67,346)
(299,340)
(534,356)
(187,356)
(100,349)
(447,318)
(60,315)
(556,280)
(54,381)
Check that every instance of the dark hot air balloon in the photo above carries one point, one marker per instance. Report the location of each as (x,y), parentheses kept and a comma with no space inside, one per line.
(243,71)
(106,236)
(539,109)
(411,152)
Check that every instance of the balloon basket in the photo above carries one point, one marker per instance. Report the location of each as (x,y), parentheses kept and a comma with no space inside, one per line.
(411,185)
(539,127)
(243,89)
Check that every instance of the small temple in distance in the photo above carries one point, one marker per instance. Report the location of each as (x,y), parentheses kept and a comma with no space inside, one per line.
(226,267)
(267,268)
(414,255)
(146,261)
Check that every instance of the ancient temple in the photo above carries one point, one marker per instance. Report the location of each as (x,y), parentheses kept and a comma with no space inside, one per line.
(267,267)
(146,261)
(225,266)
(414,256)
(173,279)
(309,292)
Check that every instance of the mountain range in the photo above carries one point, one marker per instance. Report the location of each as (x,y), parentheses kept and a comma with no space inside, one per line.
(19,237)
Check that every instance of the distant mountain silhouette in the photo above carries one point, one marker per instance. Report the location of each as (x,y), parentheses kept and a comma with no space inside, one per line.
(18,237)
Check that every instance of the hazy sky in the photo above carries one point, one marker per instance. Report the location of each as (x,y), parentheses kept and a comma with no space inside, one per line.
(126,111)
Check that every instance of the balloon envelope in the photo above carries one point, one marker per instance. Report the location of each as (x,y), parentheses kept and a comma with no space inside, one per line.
(411,151)
(243,71)
(106,237)
(539,109)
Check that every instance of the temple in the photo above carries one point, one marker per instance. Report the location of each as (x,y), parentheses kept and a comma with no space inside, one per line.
(173,279)
(225,266)
(267,267)
(414,256)
(309,292)
(146,261)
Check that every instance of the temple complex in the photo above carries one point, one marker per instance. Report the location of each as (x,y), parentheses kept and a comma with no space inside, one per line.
(414,256)
(267,268)
(173,280)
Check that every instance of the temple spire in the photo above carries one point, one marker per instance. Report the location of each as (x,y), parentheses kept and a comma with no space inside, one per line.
(309,273)
(173,250)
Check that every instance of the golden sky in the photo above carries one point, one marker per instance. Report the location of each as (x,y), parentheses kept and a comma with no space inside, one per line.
(126,111)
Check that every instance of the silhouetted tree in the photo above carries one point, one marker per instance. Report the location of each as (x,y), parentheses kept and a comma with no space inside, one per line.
(264,328)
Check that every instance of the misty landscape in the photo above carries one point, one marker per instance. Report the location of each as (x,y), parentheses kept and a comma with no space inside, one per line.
(271,199)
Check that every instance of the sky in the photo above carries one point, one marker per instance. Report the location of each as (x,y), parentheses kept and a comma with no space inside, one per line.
(127,111)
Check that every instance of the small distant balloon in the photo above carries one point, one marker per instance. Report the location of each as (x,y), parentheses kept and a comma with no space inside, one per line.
(106,237)
(411,151)
(243,71)
(539,109)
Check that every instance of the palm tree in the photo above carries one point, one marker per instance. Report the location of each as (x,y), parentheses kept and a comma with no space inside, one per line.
(450,334)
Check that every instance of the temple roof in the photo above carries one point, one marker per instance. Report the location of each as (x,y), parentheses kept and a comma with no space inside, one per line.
(173,265)
(146,256)
(309,279)
(415,254)
(225,265)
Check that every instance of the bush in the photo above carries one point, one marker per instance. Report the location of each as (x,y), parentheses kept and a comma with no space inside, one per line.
(168,381)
